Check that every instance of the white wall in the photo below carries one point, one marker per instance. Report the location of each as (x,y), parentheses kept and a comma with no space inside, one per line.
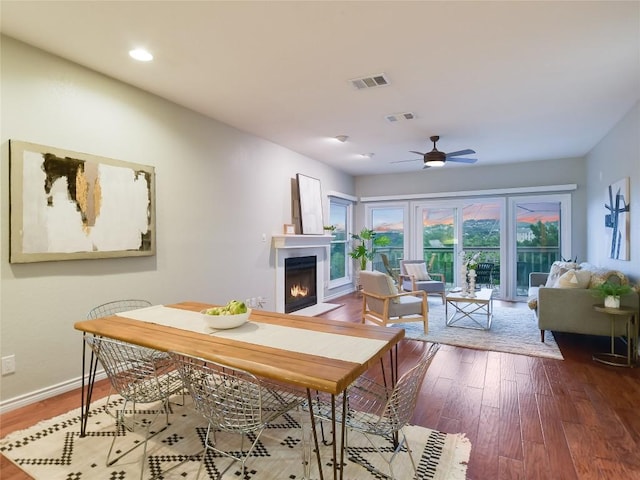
(616,156)
(218,191)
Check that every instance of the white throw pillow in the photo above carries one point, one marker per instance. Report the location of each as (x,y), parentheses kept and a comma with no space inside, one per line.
(574,279)
(418,270)
(557,270)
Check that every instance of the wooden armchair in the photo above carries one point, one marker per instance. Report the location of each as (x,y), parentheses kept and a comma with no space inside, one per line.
(383,304)
(414,276)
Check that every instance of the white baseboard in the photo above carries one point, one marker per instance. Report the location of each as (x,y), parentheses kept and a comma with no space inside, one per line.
(45,393)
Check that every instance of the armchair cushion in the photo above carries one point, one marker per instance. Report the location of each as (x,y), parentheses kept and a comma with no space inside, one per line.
(418,270)
(379,283)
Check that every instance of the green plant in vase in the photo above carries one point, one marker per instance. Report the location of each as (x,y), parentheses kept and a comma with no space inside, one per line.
(611,292)
(365,244)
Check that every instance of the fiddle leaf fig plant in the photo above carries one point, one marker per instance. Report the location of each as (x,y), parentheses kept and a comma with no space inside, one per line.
(365,244)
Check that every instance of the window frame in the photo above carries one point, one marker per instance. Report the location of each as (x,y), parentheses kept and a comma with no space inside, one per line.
(349,204)
(404,206)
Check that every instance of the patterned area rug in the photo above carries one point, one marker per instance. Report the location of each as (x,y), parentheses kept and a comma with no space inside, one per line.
(513,330)
(54,450)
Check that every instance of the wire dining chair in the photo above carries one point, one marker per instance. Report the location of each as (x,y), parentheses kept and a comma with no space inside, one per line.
(116,306)
(140,376)
(234,401)
(377,410)
(104,310)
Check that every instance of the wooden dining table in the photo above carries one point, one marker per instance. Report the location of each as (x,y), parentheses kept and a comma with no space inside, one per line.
(305,352)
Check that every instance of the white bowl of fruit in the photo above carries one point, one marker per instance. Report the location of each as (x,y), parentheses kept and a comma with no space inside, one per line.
(232,315)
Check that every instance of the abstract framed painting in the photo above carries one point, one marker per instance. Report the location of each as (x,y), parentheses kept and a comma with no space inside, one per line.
(69,205)
(616,220)
(310,196)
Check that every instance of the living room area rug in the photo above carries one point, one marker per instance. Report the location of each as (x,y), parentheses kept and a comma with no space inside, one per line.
(513,330)
(54,450)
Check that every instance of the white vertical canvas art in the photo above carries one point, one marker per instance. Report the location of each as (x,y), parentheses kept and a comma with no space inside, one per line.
(310,197)
(616,219)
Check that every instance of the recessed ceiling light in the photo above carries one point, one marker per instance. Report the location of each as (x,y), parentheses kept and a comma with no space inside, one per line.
(141,55)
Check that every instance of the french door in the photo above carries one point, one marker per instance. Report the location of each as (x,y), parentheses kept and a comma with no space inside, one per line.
(515,235)
(436,239)
(542,235)
(444,230)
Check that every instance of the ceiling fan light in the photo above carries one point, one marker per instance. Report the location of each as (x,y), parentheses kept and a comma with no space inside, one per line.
(434,163)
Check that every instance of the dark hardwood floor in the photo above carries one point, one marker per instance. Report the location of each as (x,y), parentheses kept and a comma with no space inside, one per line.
(526,417)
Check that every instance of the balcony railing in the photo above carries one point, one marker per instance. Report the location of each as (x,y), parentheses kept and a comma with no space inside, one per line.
(529,259)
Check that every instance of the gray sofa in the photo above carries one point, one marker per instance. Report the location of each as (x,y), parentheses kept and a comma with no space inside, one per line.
(571,309)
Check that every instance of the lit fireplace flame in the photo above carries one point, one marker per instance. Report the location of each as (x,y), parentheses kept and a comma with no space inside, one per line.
(299,291)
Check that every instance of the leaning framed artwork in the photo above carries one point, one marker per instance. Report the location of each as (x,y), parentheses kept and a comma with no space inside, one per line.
(616,219)
(69,205)
(310,196)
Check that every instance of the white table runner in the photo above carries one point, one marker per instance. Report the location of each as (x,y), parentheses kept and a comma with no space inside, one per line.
(299,340)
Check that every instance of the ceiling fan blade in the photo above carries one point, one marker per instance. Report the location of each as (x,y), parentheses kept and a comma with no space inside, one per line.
(417,153)
(462,160)
(468,151)
(403,161)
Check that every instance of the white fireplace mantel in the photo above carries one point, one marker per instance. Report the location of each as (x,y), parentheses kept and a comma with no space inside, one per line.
(291,246)
(301,241)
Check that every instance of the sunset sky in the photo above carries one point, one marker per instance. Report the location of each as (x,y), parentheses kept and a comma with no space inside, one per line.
(390,219)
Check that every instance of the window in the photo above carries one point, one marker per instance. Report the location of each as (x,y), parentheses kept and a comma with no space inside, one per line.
(482,233)
(515,236)
(542,235)
(389,220)
(444,229)
(339,217)
(437,239)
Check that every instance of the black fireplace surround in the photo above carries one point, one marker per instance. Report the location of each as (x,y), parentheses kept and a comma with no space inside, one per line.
(300,283)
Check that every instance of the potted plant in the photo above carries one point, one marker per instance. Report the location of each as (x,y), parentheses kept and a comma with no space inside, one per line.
(365,248)
(611,293)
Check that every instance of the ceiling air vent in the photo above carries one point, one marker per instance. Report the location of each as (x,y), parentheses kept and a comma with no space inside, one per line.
(379,80)
(396,117)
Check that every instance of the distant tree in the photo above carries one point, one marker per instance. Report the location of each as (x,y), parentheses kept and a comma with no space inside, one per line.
(544,235)
(481,233)
(439,233)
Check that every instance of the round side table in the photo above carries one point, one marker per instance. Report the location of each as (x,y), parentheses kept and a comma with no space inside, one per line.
(612,358)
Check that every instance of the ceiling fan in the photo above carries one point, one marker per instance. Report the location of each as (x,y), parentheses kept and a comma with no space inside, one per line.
(436,158)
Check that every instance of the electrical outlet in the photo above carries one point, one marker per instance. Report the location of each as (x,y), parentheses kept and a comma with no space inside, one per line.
(8,365)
